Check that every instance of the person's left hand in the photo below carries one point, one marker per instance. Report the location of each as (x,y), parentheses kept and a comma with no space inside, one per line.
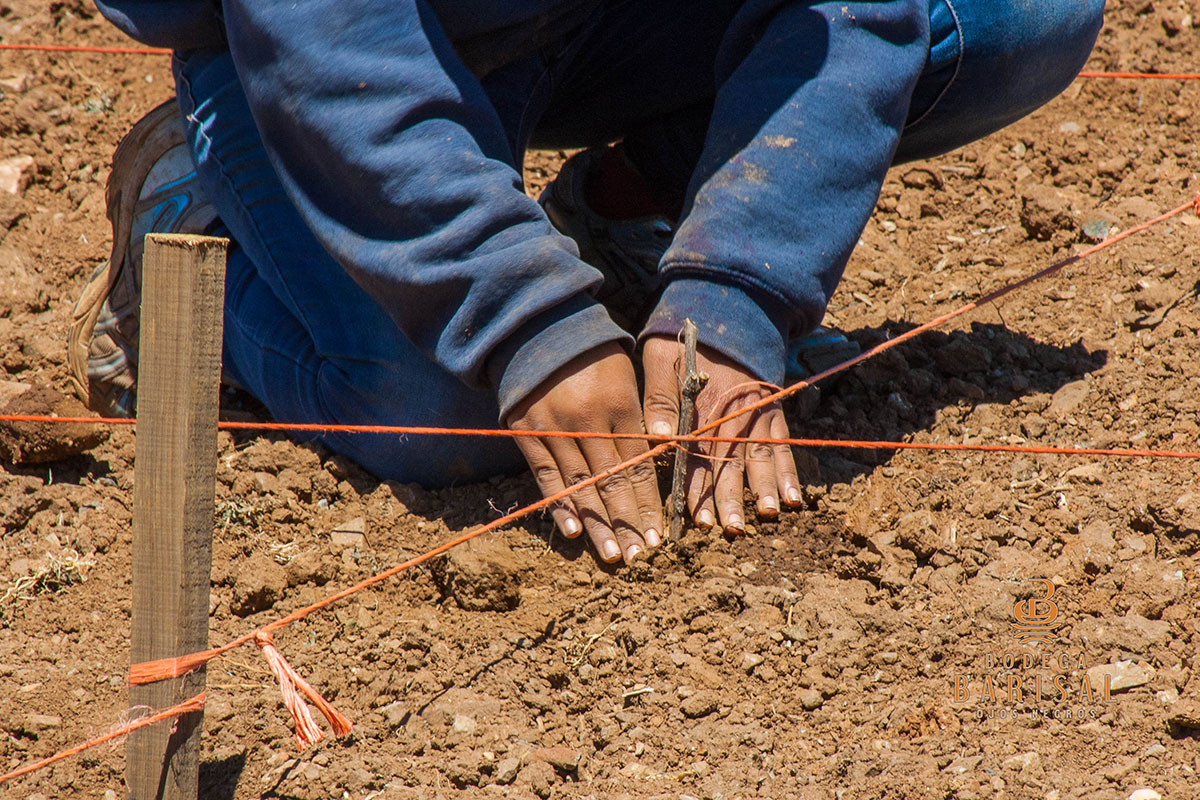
(715,483)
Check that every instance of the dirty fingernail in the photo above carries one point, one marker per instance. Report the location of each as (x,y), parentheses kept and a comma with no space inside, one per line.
(610,551)
(735,522)
(793,495)
(770,504)
(572,527)
(705,518)
(660,428)
(651,537)
(633,552)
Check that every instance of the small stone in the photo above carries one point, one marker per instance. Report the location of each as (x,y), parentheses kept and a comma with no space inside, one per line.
(1144,793)
(750,661)
(506,771)
(1069,127)
(563,759)
(795,633)
(17,84)
(1122,675)
(810,699)
(349,535)
(963,765)
(700,704)
(1096,228)
(1086,473)
(11,171)
(1153,750)
(1067,399)
(1023,762)
(1116,772)
(464,723)
(872,277)
(42,722)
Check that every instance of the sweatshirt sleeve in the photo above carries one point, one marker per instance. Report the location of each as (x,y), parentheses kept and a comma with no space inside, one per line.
(812,99)
(398,162)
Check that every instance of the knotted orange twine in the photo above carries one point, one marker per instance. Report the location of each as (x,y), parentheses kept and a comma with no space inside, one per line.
(307,732)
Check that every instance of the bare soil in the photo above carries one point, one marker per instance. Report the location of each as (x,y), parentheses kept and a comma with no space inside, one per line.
(819,656)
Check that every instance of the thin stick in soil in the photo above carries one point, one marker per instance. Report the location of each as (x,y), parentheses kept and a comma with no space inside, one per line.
(693,382)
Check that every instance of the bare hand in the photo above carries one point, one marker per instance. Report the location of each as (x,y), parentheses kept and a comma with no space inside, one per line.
(714,484)
(596,391)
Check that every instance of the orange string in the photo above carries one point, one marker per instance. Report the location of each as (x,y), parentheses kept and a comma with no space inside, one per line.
(862,444)
(186,707)
(1169,76)
(72,48)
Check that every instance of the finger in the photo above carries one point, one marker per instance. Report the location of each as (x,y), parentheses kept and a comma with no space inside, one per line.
(727,488)
(550,482)
(572,465)
(616,493)
(785,463)
(661,398)
(645,486)
(700,491)
(760,468)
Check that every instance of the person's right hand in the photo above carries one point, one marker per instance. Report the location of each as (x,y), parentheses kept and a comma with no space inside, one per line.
(596,391)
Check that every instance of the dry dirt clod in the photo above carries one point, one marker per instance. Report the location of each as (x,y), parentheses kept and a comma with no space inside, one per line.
(700,704)
(40,442)
(260,583)
(482,575)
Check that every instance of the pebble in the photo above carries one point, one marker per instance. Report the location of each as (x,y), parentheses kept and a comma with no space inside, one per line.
(42,722)
(700,704)
(1122,675)
(810,699)
(506,771)
(1144,794)
(750,661)
(1153,750)
(11,171)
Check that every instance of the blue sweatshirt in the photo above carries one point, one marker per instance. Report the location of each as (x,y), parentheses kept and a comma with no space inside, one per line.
(374,117)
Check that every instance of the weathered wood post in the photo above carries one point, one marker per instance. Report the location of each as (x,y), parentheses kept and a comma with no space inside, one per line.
(179,372)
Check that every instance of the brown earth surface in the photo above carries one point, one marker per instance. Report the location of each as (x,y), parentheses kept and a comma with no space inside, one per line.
(815,657)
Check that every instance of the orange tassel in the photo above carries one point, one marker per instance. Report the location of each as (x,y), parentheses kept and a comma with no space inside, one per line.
(307,732)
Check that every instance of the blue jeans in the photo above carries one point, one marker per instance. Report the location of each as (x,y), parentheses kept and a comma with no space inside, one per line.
(308,341)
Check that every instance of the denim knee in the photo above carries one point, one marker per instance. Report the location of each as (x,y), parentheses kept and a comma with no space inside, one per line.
(992,62)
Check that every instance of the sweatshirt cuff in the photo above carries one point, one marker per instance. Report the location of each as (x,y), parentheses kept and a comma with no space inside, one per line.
(750,328)
(544,343)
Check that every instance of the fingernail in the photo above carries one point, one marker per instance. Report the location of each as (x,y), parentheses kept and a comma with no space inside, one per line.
(610,551)
(793,495)
(770,504)
(705,518)
(660,428)
(633,552)
(572,527)
(735,522)
(651,537)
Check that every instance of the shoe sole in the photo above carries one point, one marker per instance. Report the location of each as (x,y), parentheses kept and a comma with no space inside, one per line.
(150,132)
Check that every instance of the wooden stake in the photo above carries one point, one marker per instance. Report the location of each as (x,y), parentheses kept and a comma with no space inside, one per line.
(179,372)
(693,382)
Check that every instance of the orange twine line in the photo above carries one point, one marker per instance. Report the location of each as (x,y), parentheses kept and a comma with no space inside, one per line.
(1170,76)
(186,707)
(71,48)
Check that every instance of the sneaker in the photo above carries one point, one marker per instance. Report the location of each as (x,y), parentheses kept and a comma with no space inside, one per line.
(627,252)
(152,188)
